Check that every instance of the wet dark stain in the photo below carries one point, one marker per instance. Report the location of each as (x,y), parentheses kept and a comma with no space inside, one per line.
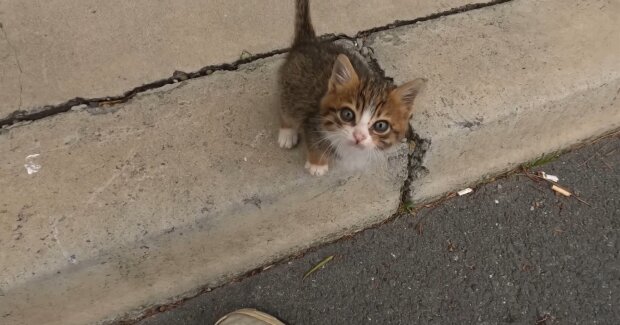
(471,124)
(253,200)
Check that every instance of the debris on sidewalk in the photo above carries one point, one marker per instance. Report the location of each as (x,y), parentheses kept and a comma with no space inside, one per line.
(318,266)
(553,179)
(245,55)
(464,191)
(548,177)
(542,319)
(567,193)
(32,167)
(561,190)
(451,246)
(420,228)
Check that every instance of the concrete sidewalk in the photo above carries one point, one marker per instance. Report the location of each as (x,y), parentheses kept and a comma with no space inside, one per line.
(108,210)
(51,52)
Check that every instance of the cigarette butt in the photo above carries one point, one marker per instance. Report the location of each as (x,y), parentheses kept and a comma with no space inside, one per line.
(464,191)
(561,190)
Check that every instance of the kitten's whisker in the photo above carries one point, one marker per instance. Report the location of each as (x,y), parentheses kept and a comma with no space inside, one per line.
(320,141)
(331,147)
(337,144)
(326,137)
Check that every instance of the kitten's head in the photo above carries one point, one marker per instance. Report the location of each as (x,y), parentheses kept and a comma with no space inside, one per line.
(363,116)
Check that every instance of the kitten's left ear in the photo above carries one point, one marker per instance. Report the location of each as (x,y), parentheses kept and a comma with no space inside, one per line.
(408,91)
(343,73)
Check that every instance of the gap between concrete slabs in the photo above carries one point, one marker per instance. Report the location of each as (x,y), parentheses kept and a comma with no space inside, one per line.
(33,114)
(91,48)
(175,120)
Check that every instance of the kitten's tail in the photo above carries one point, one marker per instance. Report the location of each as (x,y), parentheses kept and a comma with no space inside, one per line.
(304,32)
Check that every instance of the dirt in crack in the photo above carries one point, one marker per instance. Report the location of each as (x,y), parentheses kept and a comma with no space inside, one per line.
(415,169)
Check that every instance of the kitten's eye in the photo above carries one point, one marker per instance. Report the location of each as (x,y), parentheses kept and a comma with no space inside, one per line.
(381,126)
(347,115)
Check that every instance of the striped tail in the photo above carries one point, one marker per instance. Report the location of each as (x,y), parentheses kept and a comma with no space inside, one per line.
(304,32)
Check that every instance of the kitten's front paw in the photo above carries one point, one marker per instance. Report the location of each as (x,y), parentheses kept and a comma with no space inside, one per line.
(316,170)
(287,138)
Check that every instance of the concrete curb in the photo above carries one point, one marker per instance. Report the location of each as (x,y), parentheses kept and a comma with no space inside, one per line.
(185,187)
(507,84)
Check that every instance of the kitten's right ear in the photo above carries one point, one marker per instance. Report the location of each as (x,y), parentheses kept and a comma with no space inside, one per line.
(343,74)
(408,91)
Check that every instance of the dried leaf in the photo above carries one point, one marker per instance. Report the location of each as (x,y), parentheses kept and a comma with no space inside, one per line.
(318,266)
(451,246)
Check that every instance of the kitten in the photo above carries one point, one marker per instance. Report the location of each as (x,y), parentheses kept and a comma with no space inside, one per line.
(340,105)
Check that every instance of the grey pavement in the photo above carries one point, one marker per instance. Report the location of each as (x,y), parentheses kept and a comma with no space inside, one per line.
(512,252)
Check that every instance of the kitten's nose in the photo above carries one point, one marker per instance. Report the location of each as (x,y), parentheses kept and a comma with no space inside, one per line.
(359,137)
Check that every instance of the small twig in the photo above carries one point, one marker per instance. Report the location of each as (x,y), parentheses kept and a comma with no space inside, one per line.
(543,319)
(531,176)
(609,135)
(588,160)
(434,204)
(606,164)
(536,188)
(610,152)
(420,228)
(582,201)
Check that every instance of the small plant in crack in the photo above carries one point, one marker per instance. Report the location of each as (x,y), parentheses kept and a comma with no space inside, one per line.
(542,160)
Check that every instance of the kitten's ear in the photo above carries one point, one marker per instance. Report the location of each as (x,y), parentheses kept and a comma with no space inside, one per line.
(407,92)
(343,73)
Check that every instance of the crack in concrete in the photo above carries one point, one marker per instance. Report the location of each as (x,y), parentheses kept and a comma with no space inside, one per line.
(50,110)
(19,67)
(450,12)
(415,167)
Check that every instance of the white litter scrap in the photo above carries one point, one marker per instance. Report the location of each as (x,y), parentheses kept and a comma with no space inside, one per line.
(31,166)
(464,191)
(548,177)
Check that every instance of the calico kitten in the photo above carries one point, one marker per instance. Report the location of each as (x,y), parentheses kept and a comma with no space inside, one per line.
(337,102)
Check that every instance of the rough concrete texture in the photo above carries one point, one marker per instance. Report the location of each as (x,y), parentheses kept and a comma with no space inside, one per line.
(510,253)
(139,202)
(173,190)
(90,48)
(507,83)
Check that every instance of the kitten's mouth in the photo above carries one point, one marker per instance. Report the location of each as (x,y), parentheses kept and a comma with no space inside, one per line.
(358,146)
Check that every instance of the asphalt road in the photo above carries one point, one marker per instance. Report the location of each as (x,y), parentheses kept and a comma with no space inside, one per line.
(512,252)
